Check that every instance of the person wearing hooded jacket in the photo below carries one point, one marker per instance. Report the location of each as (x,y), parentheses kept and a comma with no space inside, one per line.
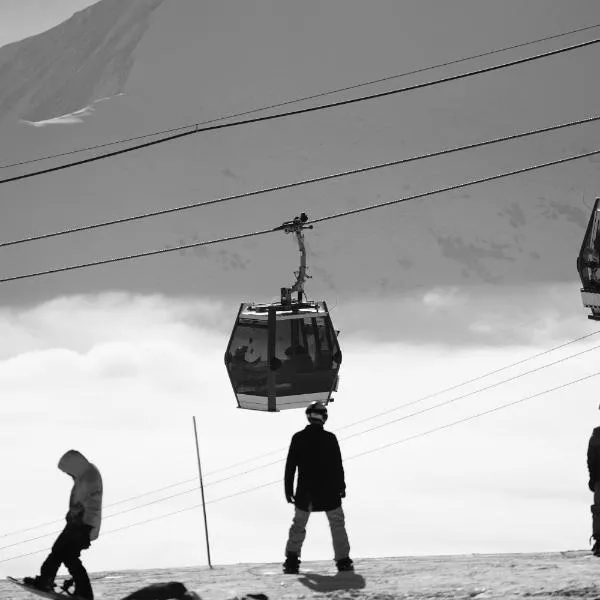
(83,519)
(315,453)
(593,463)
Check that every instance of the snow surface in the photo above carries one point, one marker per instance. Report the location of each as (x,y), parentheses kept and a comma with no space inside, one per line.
(67,67)
(75,117)
(507,576)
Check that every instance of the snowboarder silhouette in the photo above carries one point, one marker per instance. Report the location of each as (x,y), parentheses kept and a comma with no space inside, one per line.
(321,487)
(83,526)
(593,463)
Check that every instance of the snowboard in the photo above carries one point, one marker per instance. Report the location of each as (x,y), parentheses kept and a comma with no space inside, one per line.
(59,594)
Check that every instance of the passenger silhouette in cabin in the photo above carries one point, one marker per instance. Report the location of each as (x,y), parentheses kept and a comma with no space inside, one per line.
(315,453)
(83,525)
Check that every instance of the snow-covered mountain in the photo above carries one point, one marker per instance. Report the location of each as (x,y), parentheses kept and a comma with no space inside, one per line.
(71,65)
(124,68)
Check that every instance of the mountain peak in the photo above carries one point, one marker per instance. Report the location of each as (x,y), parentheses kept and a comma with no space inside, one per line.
(66,68)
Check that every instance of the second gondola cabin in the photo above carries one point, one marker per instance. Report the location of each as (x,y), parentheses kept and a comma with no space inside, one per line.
(588,264)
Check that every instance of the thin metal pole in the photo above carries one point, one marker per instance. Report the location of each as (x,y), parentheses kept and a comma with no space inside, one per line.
(202,491)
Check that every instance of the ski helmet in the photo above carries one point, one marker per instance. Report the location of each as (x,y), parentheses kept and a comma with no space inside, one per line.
(316,411)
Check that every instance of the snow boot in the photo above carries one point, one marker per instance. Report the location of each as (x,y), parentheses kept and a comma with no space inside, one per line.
(344,564)
(291,566)
(39,583)
(66,586)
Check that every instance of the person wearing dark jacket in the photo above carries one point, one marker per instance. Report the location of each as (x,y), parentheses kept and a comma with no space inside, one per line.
(593,463)
(315,453)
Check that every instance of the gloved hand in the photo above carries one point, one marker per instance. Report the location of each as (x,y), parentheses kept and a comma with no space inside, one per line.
(591,485)
(343,494)
(75,514)
(290,498)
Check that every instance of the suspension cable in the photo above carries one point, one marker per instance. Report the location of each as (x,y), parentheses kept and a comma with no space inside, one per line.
(313,221)
(299,183)
(370,451)
(234,476)
(300,99)
(301,111)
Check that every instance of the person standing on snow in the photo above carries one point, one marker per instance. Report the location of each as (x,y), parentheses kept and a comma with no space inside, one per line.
(321,487)
(83,525)
(593,463)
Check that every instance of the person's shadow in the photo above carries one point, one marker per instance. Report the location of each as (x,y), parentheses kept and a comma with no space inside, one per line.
(327,583)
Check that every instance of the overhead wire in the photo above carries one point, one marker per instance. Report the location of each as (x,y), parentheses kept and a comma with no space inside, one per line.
(423,398)
(342,214)
(469,394)
(473,380)
(301,99)
(123,501)
(104,517)
(496,384)
(338,215)
(352,457)
(321,179)
(424,410)
(302,182)
(300,111)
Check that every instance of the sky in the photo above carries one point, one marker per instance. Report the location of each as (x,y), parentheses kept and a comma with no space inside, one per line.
(21,19)
(116,361)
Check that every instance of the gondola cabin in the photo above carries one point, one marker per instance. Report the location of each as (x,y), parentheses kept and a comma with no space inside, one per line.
(588,264)
(283,356)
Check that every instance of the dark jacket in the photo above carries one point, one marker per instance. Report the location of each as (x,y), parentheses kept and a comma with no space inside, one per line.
(315,452)
(593,456)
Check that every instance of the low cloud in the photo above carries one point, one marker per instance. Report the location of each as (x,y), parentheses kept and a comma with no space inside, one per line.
(476,316)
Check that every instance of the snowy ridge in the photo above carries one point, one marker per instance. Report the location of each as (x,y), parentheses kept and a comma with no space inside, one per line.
(64,69)
(75,117)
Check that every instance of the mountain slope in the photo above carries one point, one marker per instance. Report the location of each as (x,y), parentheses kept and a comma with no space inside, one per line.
(85,58)
(180,61)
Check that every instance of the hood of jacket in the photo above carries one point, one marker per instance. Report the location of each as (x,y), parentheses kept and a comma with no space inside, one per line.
(73,463)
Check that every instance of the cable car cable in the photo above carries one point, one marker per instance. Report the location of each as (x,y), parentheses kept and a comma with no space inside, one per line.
(143,495)
(439,392)
(472,393)
(300,111)
(300,99)
(370,451)
(54,533)
(475,416)
(299,183)
(350,212)
(424,410)
(452,187)
(313,221)
(428,397)
(357,433)
(478,378)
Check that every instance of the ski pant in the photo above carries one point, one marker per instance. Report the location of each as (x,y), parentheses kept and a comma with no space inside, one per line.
(341,546)
(596,512)
(66,550)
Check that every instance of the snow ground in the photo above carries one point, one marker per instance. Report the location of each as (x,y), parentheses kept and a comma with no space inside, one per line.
(506,576)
